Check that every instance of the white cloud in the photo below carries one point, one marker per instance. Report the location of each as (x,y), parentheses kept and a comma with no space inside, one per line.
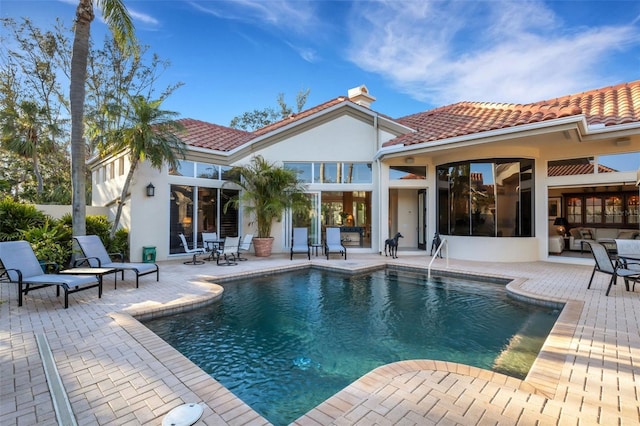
(444,52)
(144,18)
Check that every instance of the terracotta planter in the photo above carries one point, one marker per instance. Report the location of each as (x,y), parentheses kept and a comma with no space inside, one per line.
(263,246)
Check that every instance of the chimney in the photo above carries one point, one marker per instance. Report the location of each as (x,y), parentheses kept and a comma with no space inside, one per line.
(360,95)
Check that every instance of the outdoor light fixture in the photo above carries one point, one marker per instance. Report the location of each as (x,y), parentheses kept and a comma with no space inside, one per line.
(409,160)
(151,190)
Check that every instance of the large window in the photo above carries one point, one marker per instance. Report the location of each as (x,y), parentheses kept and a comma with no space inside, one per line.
(486,198)
(194,210)
(602,209)
(342,173)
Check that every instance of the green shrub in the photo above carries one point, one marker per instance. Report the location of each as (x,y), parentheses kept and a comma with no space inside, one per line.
(120,243)
(50,242)
(15,218)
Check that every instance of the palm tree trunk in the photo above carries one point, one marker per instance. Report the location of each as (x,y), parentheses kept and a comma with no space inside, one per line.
(123,196)
(84,16)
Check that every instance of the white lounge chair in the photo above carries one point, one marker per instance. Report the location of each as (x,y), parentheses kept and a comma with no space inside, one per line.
(300,242)
(194,251)
(96,256)
(333,243)
(228,251)
(22,267)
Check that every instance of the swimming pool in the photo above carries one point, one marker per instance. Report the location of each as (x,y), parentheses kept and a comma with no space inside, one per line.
(284,343)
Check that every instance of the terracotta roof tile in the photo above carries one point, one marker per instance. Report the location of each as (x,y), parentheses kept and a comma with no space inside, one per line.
(212,136)
(296,117)
(609,106)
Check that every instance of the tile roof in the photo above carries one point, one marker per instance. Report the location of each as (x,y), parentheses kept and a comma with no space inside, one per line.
(608,106)
(576,169)
(212,136)
(296,117)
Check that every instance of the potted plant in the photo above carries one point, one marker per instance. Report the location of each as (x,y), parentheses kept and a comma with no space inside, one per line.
(267,190)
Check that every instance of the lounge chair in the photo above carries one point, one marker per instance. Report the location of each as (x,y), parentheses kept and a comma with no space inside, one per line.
(96,256)
(194,251)
(605,265)
(333,243)
(22,267)
(244,246)
(300,242)
(228,251)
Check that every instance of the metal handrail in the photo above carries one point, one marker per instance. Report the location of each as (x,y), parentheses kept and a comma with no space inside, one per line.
(439,250)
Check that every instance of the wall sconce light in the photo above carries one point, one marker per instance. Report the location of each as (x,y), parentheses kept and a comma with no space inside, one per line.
(409,160)
(151,190)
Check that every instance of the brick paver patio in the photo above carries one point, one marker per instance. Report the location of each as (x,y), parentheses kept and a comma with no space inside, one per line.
(115,371)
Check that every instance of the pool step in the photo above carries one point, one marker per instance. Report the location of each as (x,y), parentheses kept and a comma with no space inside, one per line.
(518,356)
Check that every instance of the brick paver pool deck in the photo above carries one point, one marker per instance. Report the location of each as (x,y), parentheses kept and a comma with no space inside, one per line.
(117,372)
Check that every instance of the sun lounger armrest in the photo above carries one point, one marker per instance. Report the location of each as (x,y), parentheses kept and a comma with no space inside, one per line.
(5,274)
(117,256)
(85,261)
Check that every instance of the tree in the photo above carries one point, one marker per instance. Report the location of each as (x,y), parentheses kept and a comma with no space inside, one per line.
(267,191)
(121,26)
(258,118)
(152,135)
(22,134)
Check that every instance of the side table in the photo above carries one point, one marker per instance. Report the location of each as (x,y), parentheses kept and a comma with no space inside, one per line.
(98,272)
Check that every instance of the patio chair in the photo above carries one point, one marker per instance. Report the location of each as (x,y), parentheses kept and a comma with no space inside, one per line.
(210,243)
(228,251)
(244,246)
(629,255)
(22,267)
(300,242)
(96,256)
(333,243)
(194,251)
(605,265)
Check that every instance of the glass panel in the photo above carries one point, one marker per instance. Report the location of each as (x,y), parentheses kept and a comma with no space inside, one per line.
(632,209)
(228,219)
(525,209)
(351,211)
(593,210)
(185,168)
(224,172)
(207,210)
(460,211)
(443,183)
(181,217)
(507,199)
(571,167)
(628,162)
(574,210)
(407,172)
(358,173)
(325,173)
(613,209)
(304,170)
(483,201)
(310,220)
(206,171)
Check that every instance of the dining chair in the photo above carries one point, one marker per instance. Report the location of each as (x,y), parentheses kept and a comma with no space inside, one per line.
(605,265)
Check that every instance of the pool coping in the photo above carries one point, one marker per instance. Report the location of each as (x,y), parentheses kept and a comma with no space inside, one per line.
(543,377)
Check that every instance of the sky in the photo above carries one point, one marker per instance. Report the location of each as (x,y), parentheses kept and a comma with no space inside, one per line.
(237,56)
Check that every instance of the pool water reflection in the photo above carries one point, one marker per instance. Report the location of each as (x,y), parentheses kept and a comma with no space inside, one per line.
(285,343)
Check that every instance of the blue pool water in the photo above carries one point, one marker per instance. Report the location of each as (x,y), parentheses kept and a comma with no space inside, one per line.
(285,343)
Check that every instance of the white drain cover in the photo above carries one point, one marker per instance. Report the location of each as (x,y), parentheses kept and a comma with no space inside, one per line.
(183,415)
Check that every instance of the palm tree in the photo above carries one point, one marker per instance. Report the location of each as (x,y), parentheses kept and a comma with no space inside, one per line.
(119,21)
(22,133)
(267,191)
(152,136)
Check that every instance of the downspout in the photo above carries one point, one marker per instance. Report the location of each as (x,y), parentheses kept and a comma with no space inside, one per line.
(379,165)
